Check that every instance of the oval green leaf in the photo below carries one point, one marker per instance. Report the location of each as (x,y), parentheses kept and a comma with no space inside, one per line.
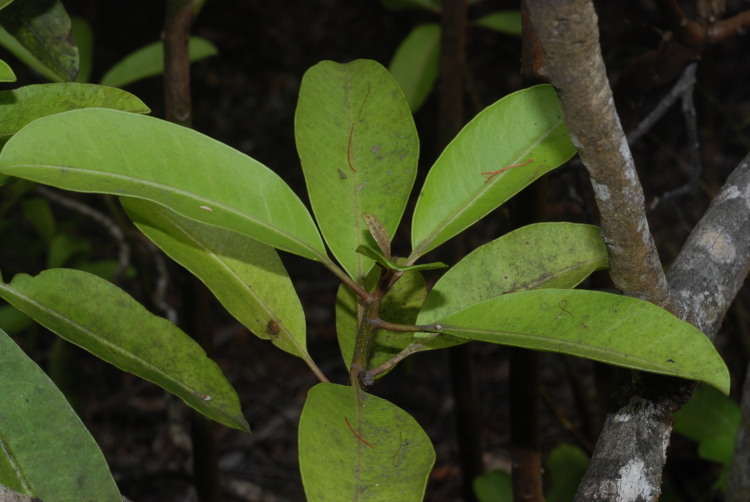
(38,33)
(148,61)
(525,127)
(45,450)
(101,318)
(613,329)
(359,148)
(361,448)
(542,255)
(6,72)
(415,63)
(120,153)
(247,277)
(25,104)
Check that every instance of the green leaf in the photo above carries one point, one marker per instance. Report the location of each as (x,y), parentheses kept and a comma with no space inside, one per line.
(38,33)
(712,420)
(391,265)
(493,486)
(566,466)
(101,318)
(359,148)
(400,305)
(4,3)
(84,39)
(613,329)
(247,277)
(148,61)
(524,126)
(21,106)
(416,62)
(45,450)
(543,255)
(12,320)
(361,448)
(119,153)
(508,22)
(6,72)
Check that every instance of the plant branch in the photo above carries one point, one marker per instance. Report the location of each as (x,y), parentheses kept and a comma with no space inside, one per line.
(177,103)
(569,36)
(393,361)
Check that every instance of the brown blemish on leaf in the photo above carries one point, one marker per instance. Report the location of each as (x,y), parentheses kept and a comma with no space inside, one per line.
(272,328)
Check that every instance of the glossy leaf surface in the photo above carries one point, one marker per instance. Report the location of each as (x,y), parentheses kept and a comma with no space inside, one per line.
(94,151)
(359,149)
(524,126)
(415,63)
(149,61)
(37,32)
(45,450)
(613,329)
(101,318)
(247,277)
(19,107)
(367,451)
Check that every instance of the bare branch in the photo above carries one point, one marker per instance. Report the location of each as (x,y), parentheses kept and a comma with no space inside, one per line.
(573,62)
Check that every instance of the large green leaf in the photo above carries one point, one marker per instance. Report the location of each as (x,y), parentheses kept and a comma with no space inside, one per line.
(400,305)
(247,277)
(542,255)
(415,63)
(525,127)
(360,448)
(101,318)
(45,450)
(120,153)
(38,33)
(149,61)
(19,107)
(359,148)
(613,329)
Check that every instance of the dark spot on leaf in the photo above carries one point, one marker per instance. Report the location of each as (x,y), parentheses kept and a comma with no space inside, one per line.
(272,328)
(671,361)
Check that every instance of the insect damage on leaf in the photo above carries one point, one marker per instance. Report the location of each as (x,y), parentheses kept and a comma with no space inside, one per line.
(272,328)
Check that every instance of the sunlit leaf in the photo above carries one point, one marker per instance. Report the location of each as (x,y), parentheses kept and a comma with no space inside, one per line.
(119,153)
(416,62)
(526,128)
(613,329)
(101,318)
(45,450)
(247,277)
(149,61)
(359,148)
(361,448)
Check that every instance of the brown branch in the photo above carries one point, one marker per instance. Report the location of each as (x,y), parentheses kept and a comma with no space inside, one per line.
(727,28)
(570,38)
(631,450)
(179,20)
(689,32)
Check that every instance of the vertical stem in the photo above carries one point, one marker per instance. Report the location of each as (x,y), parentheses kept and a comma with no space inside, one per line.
(529,207)
(178,109)
(451,119)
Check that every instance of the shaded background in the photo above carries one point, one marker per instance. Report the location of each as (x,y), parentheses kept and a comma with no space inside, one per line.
(246,97)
